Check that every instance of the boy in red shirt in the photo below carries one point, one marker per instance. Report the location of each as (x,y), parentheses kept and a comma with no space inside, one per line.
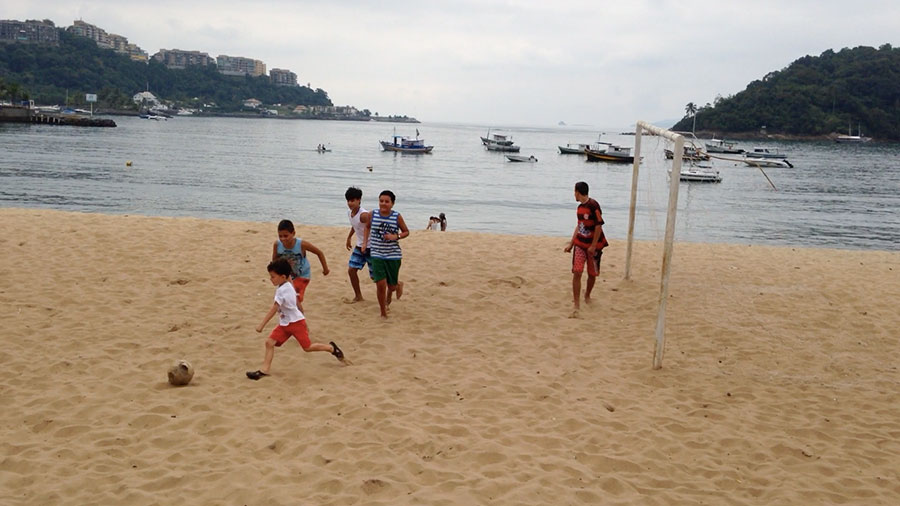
(586,245)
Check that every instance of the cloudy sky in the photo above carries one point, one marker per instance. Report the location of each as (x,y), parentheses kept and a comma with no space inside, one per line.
(501,62)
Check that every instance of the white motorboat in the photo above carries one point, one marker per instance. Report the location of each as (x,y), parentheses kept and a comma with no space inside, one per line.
(699,174)
(765,153)
(573,148)
(519,158)
(768,162)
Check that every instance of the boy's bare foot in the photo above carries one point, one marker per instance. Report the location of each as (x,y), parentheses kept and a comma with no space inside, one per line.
(346,300)
(399,290)
(588,299)
(575,314)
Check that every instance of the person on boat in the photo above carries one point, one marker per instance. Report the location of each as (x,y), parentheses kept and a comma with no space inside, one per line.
(586,245)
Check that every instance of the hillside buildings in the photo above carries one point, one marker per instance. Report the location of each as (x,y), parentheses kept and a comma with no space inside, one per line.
(240,66)
(179,59)
(106,40)
(30,31)
(282,77)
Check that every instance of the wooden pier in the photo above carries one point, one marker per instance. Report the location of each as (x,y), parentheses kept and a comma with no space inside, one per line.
(22,114)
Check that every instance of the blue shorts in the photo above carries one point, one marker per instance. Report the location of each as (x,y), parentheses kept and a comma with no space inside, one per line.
(358,260)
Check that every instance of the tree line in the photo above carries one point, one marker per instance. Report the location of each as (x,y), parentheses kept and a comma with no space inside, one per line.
(813,96)
(64,74)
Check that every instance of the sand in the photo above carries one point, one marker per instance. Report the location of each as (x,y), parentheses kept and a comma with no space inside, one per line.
(779,384)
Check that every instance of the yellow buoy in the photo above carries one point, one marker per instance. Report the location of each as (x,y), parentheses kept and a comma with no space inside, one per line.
(128,163)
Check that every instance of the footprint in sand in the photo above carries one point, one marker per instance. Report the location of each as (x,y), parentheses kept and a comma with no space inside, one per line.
(515,282)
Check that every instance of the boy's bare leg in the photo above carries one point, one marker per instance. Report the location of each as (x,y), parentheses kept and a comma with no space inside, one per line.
(576,289)
(330,348)
(354,282)
(590,286)
(382,290)
(399,289)
(270,354)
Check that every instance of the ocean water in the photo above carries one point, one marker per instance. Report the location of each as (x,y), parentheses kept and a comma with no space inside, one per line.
(837,195)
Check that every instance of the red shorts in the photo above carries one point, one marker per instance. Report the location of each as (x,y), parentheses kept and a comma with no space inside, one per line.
(298,329)
(580,257)
(300,287)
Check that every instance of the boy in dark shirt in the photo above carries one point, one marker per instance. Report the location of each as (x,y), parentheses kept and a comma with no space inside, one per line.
(586,245)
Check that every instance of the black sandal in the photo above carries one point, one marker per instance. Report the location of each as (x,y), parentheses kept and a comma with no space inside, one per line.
(255,375)
(337,351)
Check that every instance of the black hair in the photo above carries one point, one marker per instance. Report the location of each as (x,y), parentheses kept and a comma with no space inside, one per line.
(286,225)
(581,187)
(280,266)
(390,194)
(353,193)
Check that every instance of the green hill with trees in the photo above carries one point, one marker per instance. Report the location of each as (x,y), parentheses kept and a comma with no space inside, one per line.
(48,74)
(813,96)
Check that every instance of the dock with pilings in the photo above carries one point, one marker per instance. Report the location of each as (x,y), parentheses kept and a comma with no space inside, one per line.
(23,114)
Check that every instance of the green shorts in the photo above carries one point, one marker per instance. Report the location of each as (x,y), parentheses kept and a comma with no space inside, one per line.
(386,269)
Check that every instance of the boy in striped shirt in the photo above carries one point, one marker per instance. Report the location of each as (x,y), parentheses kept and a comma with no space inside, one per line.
(384,230)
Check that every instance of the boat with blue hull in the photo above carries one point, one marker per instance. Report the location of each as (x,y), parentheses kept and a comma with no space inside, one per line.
(401,144)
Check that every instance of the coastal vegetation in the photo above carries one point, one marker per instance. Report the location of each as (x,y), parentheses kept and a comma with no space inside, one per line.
(64,74)
(813,96)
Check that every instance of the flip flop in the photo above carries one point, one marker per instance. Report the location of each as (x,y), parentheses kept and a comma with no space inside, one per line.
(255,375)
(337,351)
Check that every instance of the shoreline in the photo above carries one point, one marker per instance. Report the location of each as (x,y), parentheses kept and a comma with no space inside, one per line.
(512,235)
(779,381)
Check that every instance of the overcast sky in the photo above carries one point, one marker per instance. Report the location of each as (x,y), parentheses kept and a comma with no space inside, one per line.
(513,62)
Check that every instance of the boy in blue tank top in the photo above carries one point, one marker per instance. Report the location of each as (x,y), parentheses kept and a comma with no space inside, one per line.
(383,233)
(293,249)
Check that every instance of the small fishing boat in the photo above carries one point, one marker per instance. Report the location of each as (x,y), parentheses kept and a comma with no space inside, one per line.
(768,162)
(573,148)
(690,153)
(722,146)
(499,139)
(852,139)
(506,148)
(401,144)
(613,153)
(519,158)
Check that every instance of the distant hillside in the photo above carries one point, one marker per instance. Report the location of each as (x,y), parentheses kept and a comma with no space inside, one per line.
(815,95)
(78,66)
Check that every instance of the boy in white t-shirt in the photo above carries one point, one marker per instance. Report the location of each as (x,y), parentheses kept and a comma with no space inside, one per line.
(359,217)
(291,321)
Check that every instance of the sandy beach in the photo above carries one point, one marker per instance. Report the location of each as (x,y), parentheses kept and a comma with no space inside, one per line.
(780,382)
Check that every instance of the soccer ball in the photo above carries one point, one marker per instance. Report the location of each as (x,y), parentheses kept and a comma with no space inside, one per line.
(180,373)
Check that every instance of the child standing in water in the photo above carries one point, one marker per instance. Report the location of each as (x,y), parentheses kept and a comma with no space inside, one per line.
(291,322)
(383,233)
(293,249)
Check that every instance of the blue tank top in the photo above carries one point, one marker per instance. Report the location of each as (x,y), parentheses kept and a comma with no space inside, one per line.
(387,250)
(299,264)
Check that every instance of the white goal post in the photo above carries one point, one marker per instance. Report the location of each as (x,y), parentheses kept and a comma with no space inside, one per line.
(674,181)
